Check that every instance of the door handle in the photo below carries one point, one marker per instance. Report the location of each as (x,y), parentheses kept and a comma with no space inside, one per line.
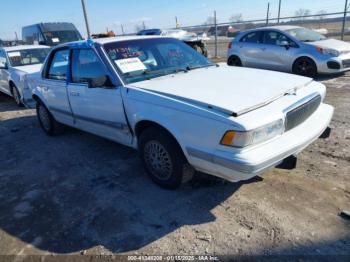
(74,93)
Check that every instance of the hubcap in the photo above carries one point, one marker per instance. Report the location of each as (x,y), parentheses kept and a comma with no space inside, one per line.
(304,67)
(44,118)
(158,160)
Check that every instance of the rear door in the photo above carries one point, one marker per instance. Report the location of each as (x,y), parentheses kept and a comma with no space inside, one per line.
(276,56)
(98,108)
(53,86)
(251,49)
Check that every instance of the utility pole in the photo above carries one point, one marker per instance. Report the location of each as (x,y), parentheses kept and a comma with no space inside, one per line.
(176,22)
(144,25)
(344,20)
(216,35)
(279,12)
(122,27)
(268,13)
(16,36)
(86,19)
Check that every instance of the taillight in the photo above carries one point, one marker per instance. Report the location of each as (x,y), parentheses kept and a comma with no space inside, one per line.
(230,45)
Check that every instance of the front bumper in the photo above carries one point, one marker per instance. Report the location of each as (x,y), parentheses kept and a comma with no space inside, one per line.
(256,160)
(334,65)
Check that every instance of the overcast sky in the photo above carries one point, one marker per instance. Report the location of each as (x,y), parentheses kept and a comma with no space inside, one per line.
(155,13)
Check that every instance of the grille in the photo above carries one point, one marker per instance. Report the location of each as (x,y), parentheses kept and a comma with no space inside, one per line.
(346,63)
(298,115)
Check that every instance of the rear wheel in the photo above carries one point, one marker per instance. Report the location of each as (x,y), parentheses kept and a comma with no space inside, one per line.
(50,126)
(234,61)
(163,158)
(305,66)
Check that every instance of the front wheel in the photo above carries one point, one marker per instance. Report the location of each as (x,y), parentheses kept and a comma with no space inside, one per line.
(305,67)
(163,158)
(50,126)
(16,96)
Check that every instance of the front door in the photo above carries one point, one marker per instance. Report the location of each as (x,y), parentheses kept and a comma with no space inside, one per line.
(276,56)
(97,108)
(4,74)
(53,86)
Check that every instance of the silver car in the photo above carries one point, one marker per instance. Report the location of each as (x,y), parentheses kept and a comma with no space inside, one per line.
(291,49)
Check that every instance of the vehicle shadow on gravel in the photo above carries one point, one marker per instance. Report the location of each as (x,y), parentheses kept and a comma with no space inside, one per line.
(8,104)
(76,191)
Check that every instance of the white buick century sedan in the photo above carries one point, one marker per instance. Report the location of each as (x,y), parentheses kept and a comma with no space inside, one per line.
(181,111)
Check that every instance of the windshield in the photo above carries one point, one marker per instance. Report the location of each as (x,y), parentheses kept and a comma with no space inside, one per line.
(28,56)
(306,35)
(60,37)
(139,60)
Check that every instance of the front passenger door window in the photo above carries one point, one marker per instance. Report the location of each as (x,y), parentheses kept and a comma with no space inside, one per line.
(86,66)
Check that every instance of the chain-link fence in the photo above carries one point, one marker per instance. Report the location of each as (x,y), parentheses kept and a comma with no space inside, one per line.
(335,25)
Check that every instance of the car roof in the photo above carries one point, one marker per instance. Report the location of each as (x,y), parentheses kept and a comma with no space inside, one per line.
(23,47)
(282,27)
(106,40)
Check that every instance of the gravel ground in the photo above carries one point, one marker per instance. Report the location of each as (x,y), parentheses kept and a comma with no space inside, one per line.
(81,194)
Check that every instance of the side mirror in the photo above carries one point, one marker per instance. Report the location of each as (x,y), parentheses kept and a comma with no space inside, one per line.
(285,44)
(102,81)
(3,65)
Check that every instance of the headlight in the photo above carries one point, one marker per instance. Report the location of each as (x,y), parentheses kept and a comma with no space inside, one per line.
(243,139)
(328,51)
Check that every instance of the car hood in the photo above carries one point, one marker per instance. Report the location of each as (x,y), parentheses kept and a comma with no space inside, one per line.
(335,44)
(29,68)
(232,90)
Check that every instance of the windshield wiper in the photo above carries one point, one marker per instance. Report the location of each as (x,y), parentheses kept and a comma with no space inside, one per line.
(198,67)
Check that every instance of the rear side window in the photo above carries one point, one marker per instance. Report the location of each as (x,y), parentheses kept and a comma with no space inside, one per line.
(253,37)
(86,65)
(59,65)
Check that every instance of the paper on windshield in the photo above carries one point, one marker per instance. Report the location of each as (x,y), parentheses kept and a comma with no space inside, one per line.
(14,54)
(55,40)
(130,65)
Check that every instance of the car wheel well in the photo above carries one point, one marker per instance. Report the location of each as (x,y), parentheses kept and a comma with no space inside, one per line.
(304,57)
(12,85)
(145,124)
(36,98)
(231,57)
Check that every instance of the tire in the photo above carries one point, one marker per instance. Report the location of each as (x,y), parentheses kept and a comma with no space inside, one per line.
(305,66)
(234,61)
(50,126)
(163,158)
(16,96)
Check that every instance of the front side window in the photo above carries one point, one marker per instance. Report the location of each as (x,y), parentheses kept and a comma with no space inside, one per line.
(86,66)
(59,65)
(143,59)
(276,38)
(254,38)
(28,56)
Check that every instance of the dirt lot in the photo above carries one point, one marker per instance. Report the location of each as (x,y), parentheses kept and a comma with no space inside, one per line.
(81,194)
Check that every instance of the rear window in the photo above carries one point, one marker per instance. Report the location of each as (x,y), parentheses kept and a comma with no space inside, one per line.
(253,37)
(28,56)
